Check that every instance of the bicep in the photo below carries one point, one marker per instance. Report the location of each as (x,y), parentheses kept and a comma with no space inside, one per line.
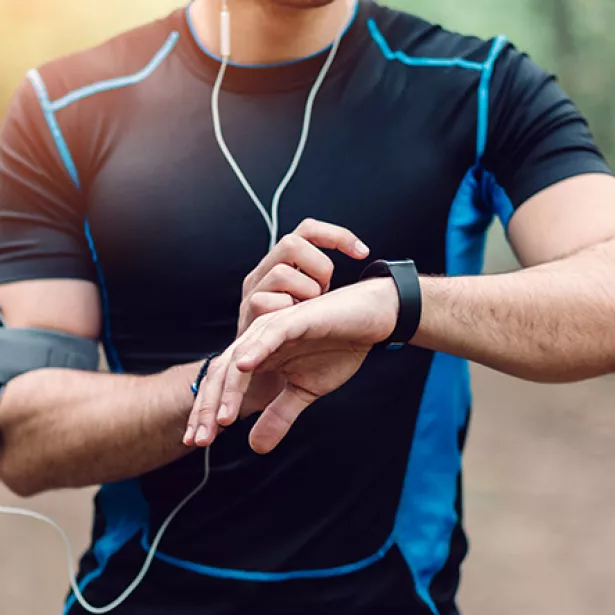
(68,306)
(47,277)
(564,219)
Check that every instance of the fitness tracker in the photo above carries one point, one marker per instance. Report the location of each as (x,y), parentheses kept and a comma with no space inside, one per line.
(406,278)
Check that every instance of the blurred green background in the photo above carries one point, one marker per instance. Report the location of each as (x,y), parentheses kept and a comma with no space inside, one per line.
(540,493)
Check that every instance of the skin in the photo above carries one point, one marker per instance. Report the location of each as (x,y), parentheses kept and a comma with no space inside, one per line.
(269,31)
(56,428)
(550,322)
(64,428)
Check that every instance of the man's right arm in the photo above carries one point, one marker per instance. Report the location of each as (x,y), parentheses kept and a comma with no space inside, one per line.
(64,428)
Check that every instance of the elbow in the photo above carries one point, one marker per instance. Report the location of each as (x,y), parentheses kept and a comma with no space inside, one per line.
(16,477)
(562,371)
(20,484)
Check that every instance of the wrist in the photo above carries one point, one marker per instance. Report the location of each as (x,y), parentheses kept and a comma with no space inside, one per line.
(180,379)
(404,277)
(386,304)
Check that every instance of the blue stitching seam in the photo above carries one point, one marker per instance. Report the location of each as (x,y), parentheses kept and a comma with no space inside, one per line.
(483,96)
(114,360)
(43,98)
(400,56)
(49,109)
(119,82)
(272,577)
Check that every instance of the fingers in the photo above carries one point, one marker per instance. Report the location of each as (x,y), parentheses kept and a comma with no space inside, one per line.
(262,303)
(332,237)
(297,253)
(235,387)
(202,423)
(300,250)
(254,350)
(278,418)
(284,279)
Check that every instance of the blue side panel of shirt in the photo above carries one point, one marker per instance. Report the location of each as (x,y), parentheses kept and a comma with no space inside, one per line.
(426,515)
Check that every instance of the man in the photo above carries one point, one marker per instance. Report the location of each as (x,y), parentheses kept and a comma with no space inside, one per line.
(418,137)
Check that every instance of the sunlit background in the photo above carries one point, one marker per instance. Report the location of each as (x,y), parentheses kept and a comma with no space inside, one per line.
(541,460)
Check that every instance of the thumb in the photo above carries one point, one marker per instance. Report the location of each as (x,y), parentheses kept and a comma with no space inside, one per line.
(279,417)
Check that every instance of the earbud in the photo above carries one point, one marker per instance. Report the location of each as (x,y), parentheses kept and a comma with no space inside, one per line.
(225,31)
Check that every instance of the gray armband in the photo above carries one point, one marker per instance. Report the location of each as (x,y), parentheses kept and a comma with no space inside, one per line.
(26,350)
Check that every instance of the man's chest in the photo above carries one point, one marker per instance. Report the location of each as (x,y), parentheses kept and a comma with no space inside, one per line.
(166,208)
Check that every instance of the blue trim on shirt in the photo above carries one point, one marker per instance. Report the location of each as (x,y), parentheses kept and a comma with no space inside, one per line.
(213,56)
(126,513)
(122,504)
(402,57)
(119,82)
(112,355)
(272,577)
(483,96)
(426,516)
(43,98)
(469,219)
(497,198)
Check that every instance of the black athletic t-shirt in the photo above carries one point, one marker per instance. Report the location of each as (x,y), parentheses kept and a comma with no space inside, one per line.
(109,172)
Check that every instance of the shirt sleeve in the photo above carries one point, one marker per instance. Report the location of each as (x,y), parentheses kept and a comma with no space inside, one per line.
(537,136)
(42,213)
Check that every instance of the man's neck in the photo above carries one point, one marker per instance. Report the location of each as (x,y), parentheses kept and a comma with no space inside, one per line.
(263,32)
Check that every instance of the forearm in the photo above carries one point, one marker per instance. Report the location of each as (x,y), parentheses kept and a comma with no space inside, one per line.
(64,428)
(552,323)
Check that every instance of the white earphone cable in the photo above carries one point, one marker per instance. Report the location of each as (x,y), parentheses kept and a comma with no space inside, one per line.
(272,221)
(21,512)
(272,225)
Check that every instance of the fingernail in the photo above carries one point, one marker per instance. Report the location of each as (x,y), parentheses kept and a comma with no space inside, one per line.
(189,435)
(361,248)
(201,434)
(224,413)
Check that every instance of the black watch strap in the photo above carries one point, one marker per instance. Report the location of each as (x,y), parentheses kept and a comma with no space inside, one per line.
(406,278)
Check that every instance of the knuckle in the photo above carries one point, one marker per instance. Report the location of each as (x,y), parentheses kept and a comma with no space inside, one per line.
(328,269)
(281,273)
(289,244)
(307,225)
(257,303)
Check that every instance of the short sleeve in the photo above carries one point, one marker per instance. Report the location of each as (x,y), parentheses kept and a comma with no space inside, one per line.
(537,136)
(42,214)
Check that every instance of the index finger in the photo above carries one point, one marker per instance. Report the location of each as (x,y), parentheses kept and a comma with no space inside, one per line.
(332,237)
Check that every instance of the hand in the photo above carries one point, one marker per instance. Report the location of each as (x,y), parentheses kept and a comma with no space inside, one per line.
(295,270)
(317,346)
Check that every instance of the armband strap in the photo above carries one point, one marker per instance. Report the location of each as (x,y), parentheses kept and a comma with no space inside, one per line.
(26,350)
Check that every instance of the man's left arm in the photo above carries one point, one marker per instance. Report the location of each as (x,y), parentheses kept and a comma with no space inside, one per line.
(550,322)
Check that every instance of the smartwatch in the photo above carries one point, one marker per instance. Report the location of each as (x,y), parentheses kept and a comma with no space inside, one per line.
(406,278)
